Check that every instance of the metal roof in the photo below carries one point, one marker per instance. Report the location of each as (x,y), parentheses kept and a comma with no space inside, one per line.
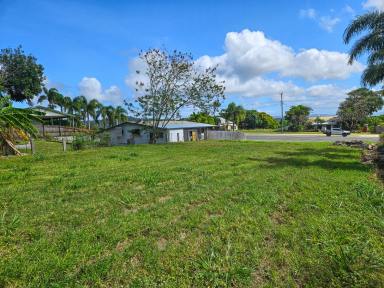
(173,124)
(51,113)
(185,125)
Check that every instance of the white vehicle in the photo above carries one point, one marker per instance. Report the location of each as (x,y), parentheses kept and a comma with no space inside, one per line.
(337,131)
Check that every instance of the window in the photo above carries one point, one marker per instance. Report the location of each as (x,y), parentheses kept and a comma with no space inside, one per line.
(135,132)
(161,135)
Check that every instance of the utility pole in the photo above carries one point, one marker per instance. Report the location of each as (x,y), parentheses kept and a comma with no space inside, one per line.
(282,111)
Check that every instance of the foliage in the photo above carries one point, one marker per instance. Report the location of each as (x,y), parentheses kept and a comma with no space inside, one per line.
(173,82)
(231,214)
(267,121)
(51,95)
(87,141)
(234,113)
(202,117)
(16,122)
(359,104)
(372,43)
(297,117)
(20,76)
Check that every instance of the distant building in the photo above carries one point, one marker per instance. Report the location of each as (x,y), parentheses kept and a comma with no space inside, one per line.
(226,125)
(174,131)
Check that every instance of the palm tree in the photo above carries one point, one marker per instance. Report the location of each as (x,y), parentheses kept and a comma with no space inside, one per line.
(59,101)
(110,115)
(372,43)
(120,115)
(15,123)
(79,105)
(90,110)
(50,95)
(68,104)
(103,112)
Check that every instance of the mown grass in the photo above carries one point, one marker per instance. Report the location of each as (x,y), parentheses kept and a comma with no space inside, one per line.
(240,214)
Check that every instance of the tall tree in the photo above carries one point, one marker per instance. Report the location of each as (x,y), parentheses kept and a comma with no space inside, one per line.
(68,104)
(79,106)
(51,95)
(173,82)
(20,76)
(297,116)
(120,115)
(234,113)
(359,104)
(372,42)
(90,110)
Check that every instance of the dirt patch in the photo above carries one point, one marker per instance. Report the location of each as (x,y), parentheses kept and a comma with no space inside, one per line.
(120,247)
(161,244)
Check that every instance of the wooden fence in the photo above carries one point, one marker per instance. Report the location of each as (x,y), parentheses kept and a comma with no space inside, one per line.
(225,135)
(57,130)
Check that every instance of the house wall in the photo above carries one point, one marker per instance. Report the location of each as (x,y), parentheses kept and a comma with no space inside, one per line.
(172,135)
(122,135)
(199,132)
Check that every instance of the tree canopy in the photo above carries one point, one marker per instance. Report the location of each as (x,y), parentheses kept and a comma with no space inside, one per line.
(297,116)
(202,117)
(234,113)
(21,77)
(359,104)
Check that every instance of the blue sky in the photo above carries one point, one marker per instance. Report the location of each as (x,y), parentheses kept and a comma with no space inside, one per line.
(261,47)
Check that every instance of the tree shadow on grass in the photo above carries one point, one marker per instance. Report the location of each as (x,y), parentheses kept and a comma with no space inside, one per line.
(326,158)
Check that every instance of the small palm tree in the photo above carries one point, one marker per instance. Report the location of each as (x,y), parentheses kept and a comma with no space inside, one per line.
(372,43)
(15,123)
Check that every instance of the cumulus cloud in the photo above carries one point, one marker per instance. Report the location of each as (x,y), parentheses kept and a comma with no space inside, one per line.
(249,54)
(91,88)
(374,4)
(257,69)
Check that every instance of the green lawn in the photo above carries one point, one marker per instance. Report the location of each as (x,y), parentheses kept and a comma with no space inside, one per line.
(208,214)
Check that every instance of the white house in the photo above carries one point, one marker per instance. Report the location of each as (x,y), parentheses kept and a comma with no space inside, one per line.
(226,125)
(140,133)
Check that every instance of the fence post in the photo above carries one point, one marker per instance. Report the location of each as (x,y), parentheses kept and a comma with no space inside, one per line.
(64,144)
(32,142)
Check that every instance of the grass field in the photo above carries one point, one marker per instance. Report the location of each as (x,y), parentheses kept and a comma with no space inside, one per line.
(277,131)
(208,214)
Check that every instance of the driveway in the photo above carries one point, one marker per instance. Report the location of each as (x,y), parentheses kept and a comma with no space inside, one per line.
(309,137)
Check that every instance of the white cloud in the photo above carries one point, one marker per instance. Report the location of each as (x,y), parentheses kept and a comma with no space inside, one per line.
(308,13)
(374,4)
(249,54)
(257,69)
(328,22)
(91,88)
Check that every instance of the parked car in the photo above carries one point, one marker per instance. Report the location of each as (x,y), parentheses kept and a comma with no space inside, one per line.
(337,131)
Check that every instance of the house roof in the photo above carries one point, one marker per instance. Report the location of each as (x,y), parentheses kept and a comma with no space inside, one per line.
(51,113)
(173,124)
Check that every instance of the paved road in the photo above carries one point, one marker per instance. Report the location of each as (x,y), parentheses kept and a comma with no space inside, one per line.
(309,137)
